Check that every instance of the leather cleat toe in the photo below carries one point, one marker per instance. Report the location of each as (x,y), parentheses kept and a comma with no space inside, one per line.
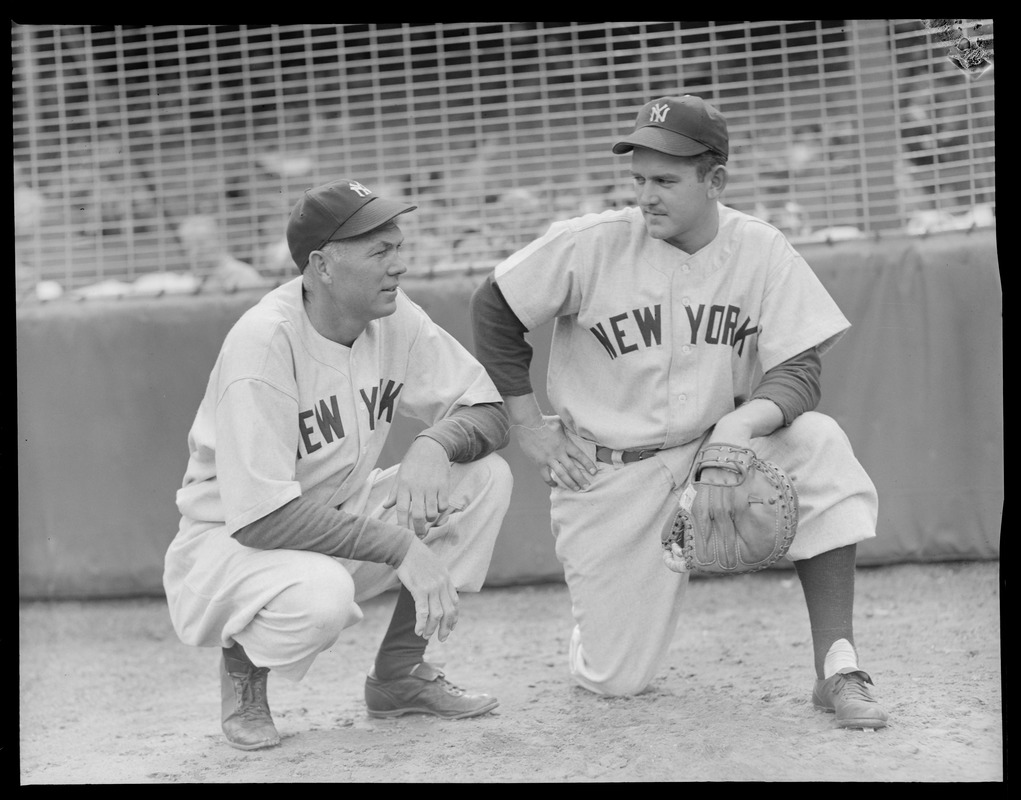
(424,691)
(847,695)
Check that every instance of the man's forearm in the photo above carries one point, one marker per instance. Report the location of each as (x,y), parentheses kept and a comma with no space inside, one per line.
(500,343)
(470,432)
(755,418)
(793,385)
(304,525)
(523,410)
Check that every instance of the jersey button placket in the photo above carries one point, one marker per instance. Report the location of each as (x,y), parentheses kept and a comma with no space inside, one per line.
(363,421)
(686,350)
(682,360)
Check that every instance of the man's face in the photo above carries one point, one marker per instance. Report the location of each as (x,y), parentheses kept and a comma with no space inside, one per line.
(677,206)
(366,271)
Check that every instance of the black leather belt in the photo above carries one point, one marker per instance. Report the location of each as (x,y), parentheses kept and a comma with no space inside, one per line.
(606,455)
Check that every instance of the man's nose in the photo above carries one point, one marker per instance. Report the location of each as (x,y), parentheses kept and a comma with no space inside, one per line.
(647,195)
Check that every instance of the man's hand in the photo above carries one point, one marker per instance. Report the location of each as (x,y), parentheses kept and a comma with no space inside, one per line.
(556,456)
(436,601)
(420,491)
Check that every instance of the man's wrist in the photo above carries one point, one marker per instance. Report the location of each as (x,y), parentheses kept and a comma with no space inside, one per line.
(758,417)
(426,436)
(731,429)
(524,412)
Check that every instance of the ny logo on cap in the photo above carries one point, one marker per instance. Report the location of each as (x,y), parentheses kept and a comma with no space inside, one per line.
(658,112)
(358,189)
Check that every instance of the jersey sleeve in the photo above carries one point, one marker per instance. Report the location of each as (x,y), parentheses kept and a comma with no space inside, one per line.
(539,282)
(442,375)
(797,313)
(256,447)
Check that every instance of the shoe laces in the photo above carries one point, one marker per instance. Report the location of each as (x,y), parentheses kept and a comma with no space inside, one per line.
(852,687)
(252,702)
(449,688)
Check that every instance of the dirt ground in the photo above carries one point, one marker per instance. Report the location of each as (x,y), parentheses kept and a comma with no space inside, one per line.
(109,696)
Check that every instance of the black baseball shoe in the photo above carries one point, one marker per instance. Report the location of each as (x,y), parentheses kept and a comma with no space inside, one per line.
(424,691)
(847,695)
(247,722)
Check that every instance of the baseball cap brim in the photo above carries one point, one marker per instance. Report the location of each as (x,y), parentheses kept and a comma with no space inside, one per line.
(374,213)
(669,142)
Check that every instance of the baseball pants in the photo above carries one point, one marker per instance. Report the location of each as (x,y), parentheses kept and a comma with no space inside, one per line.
(287,606)
(626,603)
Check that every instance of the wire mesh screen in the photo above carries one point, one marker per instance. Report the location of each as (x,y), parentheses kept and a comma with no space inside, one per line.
(144,151)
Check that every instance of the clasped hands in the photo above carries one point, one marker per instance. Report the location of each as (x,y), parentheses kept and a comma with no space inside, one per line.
(420,495)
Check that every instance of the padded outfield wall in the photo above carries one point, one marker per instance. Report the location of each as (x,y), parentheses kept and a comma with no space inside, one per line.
(107,390)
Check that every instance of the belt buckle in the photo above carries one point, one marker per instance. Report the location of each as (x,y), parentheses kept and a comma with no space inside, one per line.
(623,456)
(641,455)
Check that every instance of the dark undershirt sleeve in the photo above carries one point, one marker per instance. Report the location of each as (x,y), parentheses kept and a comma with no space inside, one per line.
(500,344)
(304,525)
(793,385)
(470,432)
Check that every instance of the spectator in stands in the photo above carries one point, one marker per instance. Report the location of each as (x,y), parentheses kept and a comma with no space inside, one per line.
(207,251)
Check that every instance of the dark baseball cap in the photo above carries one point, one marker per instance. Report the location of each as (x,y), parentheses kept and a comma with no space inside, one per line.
(334,211)
(678,126)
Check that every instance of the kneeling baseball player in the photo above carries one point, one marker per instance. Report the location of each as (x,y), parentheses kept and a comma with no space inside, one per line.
(686,347)
(287,524)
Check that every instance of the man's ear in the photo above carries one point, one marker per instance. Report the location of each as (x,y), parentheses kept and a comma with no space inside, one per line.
(718,178)
(319,265)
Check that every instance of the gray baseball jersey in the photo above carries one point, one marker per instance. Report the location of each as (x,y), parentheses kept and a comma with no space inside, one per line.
(288,412)
(652,345)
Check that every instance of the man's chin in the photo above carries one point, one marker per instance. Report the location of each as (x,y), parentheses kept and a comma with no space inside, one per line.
(386,309)
(657,227)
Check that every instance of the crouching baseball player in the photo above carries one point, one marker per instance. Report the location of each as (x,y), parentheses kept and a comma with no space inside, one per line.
(287,524)
(679,323)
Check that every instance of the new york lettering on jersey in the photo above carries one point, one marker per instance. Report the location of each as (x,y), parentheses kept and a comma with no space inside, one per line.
(323,423)
(629,331)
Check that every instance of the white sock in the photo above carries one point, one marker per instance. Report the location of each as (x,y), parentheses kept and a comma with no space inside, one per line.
(840,658)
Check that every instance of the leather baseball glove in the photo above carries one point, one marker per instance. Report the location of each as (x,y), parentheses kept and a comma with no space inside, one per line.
(758,532)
